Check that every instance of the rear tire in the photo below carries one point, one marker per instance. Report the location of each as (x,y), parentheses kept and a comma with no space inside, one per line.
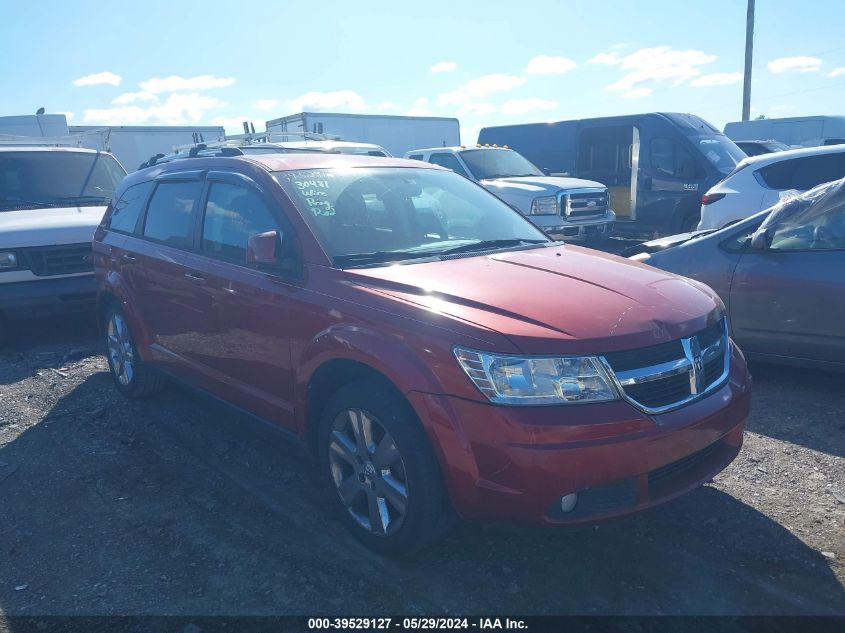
(380,469)
(131,375)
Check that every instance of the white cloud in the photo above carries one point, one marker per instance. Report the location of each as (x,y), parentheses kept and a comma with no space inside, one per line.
(68,115)
(175,83)
(548,65)
(265,104)
(344,100)
(524,106)
(386,105)
(637,93)
(468,98)
(608,59)
(801,64)
(443,67)
(652,65)
(132,97)
(836,72)
(178,109)
(716,79)
(418,111)
(98,79)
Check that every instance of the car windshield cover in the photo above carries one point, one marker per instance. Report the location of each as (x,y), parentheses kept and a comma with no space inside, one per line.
(498,163)
(796,210)
(376,216)
(720,151)
(46,179)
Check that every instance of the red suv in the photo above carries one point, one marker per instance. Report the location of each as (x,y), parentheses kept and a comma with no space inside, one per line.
(434,350)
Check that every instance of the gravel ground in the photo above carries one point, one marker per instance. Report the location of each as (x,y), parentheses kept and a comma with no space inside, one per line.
(177,505)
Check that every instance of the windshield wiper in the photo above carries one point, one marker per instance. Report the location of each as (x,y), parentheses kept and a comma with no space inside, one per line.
(82,199)
(487,245)
(7,205)
(379,257)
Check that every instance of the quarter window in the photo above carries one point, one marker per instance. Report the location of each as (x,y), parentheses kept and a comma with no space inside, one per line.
(170,216)
(232,214)
(449,162)
(128,209)
(803,173)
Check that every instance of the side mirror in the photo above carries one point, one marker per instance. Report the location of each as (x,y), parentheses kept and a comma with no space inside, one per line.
(760,240)
(262,249)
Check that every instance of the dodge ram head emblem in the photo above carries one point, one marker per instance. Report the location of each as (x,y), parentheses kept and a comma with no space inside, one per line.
(696,372)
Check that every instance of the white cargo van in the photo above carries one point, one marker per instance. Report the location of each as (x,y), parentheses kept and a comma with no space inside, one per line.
(51,201)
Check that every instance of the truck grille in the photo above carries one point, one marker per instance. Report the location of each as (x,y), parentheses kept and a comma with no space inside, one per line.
(584,203)
(665,376)
(64,259)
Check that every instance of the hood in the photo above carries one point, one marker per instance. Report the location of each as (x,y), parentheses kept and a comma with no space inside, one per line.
(554,300)
(44,227)
(538,185)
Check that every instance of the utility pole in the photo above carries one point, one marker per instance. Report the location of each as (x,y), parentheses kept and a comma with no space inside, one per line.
(749,50)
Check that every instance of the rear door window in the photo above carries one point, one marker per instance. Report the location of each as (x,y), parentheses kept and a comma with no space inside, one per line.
(128,209)
(449,161)
(803,173)
(170,216)
(232,214)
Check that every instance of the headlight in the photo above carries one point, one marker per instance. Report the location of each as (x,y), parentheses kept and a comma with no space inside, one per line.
(539,380)
(8,260)
(544,206)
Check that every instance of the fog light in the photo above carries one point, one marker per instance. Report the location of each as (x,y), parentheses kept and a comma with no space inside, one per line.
(567,502)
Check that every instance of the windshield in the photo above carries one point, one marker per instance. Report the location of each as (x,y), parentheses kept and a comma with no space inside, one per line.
(358,151)
(371,216)
(54,179)
(498,163)
(719,150)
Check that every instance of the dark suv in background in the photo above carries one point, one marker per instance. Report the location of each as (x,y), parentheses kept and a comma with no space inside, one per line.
(434,349)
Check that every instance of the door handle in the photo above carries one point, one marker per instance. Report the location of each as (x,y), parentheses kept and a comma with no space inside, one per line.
(128,258)
(195,277)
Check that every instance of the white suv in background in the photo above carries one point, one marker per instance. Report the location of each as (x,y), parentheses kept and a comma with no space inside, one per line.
(51,201)
(757,182)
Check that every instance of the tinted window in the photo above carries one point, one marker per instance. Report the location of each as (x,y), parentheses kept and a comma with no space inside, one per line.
(449,162)
(170,216)
(669,158)
(126,211)
(415,157)
(56,178)
(232,215)
(804,173)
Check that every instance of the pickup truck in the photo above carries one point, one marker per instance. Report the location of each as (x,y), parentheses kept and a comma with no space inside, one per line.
(51,201)
(570,209)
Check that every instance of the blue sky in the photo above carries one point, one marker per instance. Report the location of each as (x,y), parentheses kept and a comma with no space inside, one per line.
(212,61)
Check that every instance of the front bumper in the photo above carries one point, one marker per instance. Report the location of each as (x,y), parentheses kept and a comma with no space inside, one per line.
(560,228)
(25,299)
(515,463)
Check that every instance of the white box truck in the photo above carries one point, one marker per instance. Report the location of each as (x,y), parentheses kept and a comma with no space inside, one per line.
(797,131)
(134,144)
(397,134)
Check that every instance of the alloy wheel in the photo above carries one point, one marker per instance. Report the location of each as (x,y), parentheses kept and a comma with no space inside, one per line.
(121,352)
(368,472)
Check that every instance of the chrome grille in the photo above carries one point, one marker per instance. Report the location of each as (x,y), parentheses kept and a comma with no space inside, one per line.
(665,376)
(64,259)
(583,203)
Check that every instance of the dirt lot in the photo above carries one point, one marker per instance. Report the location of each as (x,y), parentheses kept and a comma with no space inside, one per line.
(178,505)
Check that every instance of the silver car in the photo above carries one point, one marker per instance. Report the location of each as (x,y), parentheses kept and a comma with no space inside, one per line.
(781,274)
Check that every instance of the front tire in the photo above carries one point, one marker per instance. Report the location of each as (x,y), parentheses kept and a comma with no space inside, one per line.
(132,376)
(380,468)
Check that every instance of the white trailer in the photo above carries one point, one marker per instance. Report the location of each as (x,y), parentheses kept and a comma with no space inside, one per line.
(134,144)
(397,134)
(34,125)
(801,131)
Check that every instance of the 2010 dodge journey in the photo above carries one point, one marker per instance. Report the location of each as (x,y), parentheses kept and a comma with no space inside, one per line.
(434,350)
